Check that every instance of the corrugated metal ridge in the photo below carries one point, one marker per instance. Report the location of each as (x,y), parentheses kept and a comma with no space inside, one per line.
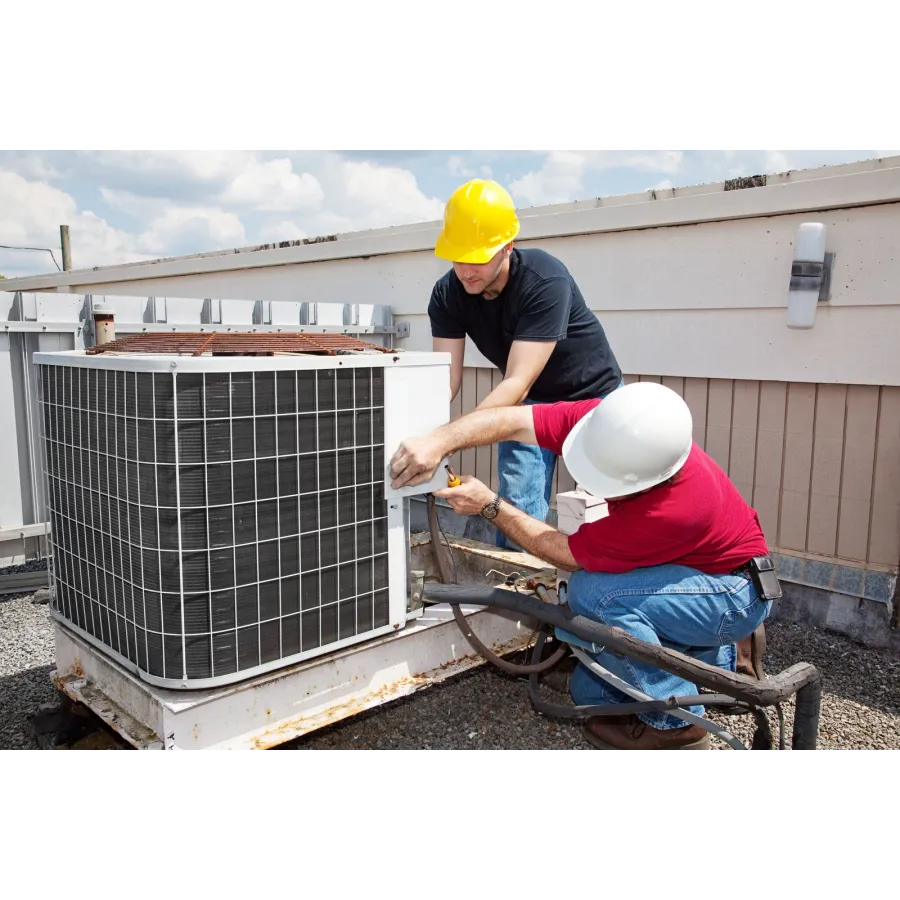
(197,343)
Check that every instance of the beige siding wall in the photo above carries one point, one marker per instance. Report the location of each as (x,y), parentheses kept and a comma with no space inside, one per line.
(819,462)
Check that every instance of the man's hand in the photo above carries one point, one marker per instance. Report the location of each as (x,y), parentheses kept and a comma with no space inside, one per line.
(469,498)
(416,461)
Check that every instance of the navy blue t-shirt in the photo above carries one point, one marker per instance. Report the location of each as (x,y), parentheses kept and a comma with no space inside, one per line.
(540,302)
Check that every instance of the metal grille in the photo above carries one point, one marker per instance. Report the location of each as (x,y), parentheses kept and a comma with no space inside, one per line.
(204,525)
(197,343)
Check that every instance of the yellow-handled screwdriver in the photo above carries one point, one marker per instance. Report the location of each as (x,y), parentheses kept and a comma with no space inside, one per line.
(452,478)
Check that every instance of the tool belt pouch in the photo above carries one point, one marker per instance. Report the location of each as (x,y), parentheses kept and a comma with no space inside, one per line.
(762,574)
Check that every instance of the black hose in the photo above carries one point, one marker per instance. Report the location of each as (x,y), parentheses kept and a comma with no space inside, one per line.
(560,711)
(748,690)
(806,716)
(443,557)
(498,661)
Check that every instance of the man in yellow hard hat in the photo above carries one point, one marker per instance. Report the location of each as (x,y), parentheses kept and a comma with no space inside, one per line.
(524,312)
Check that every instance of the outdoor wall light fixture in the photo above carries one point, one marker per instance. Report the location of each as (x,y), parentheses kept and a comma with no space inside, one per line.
(810,275)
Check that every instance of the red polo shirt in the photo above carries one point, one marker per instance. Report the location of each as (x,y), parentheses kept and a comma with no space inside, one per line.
(700,520)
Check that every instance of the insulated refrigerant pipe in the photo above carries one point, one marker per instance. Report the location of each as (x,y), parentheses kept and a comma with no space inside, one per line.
(776,689)
(445,569)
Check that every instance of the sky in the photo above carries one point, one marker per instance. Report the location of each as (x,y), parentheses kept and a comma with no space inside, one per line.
(124,206)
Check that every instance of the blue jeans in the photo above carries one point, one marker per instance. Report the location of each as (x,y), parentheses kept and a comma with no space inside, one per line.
(672,606)
(525,473)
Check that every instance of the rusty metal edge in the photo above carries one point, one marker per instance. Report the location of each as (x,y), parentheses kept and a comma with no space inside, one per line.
(403,687)
(80,690)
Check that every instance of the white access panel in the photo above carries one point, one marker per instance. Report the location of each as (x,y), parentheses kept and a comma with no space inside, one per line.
(417,401)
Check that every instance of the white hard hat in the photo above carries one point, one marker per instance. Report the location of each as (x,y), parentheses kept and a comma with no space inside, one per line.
(638,436)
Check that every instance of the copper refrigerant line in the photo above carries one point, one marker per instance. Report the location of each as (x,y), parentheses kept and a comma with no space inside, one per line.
(446,567)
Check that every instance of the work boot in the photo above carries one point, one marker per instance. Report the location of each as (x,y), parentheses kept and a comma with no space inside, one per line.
(750,652)
(630,733)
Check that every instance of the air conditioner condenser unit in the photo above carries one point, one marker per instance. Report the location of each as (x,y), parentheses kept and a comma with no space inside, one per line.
(213,518)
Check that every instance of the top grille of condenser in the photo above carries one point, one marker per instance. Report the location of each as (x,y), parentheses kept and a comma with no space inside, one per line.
(213,343)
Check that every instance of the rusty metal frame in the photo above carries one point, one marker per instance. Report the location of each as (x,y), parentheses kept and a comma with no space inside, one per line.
(280,706)
(217,343)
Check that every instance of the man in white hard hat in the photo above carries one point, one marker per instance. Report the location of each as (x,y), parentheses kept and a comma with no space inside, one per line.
(680,560)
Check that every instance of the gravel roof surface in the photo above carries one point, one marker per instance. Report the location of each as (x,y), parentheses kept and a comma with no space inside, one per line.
(485,709)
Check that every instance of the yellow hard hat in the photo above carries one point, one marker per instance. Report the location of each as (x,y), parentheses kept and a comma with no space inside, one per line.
(479,219)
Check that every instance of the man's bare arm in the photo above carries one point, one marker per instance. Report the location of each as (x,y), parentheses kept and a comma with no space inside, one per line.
(538,538)
(525,363)
(417,458)
(456,347)
(544,541)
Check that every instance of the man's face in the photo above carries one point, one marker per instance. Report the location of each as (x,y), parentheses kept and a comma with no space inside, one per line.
(478,278)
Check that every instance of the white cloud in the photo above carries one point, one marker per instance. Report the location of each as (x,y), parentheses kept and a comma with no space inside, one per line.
(455,165)
(132,204)
(664,185)
(561,177)
(29,209)
(30,215)
(775,161)
(201,165)
(365,195)
(668,161)
(457,168)
(168,228)
(558,180)
(185,229)
(273,186)
(274,232)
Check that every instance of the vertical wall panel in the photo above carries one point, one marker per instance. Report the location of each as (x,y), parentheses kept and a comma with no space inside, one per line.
(696,395)
(828,449)
(675,384)
(718,420)
(483,454)
(769,456)
(456,410)
(496,378)
(743,436)
(469,402)
(885,530)
(859,462)
(11,512)
(801,403)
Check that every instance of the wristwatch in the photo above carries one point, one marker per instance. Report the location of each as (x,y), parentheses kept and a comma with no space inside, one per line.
(491,509)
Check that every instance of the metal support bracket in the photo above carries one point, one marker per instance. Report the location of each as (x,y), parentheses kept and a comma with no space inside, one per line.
(813,276)
(416,590)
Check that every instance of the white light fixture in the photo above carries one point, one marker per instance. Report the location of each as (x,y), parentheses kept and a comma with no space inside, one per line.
(810,275)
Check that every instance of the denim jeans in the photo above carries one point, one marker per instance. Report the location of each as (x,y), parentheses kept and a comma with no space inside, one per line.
(672,606)
(525,474)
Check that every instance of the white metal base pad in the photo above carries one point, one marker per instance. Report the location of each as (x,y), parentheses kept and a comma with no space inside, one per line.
(279,706)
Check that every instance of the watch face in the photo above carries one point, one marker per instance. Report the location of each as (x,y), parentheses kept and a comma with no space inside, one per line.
(489,512)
